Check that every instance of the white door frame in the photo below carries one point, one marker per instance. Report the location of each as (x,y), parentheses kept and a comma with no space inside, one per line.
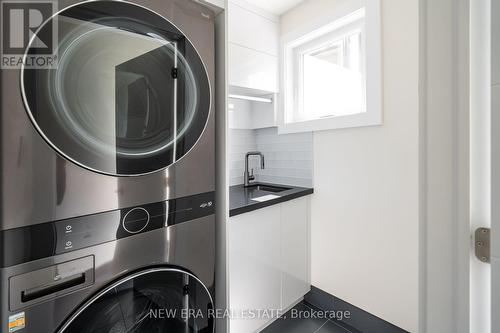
(481,185)
(444,166)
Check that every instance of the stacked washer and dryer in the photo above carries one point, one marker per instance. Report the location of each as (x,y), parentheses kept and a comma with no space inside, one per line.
(108,173)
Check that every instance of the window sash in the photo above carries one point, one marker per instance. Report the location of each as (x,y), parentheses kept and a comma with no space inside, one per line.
(297,111)
(345,14)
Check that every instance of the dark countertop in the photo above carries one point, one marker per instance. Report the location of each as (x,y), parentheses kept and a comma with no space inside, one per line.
(240,197)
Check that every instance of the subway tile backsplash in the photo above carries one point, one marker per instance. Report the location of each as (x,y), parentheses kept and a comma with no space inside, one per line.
(240,141)
(289,159)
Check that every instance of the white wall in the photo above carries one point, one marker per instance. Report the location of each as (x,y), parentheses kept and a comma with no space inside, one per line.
(365,210)
(445,170)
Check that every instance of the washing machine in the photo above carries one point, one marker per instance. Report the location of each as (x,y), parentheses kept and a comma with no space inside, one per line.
(108,171)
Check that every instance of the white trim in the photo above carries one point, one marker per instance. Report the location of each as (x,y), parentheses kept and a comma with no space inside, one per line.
(330,28)
(321,21)
(221,168)
(355,120)
(422,171)
(480,162)
(373,64)
(251,98)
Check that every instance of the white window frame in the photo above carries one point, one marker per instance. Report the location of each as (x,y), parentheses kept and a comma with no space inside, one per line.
(324,27)
(297,70)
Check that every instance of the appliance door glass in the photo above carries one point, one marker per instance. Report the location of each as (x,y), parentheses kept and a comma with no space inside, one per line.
(157,300)
(129,94)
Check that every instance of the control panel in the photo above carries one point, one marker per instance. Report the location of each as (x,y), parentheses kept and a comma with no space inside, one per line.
(48,239)
(135,220)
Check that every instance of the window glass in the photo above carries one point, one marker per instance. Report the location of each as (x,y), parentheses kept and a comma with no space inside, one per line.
(160,300)
(332,80)
(130,94)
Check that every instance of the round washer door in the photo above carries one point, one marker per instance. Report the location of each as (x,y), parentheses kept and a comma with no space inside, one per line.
(130,94)
(158,300)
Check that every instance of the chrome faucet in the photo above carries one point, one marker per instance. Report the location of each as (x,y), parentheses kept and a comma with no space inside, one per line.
(250,176)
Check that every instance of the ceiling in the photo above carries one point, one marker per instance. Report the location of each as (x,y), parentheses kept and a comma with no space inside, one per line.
(276,7)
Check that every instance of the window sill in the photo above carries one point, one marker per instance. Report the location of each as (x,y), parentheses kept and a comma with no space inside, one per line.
(349,121)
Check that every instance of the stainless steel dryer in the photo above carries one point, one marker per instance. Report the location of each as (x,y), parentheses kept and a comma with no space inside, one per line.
(125,118)
(107,172)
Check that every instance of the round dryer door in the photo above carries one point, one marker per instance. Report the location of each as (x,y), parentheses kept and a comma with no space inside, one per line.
(129,95)
(154,301)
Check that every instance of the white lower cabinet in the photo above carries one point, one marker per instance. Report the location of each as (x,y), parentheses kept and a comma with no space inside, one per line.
(295,267)
(268,263)
(254,259)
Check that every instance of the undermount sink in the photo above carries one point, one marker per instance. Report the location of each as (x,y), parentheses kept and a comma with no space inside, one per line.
(267,188)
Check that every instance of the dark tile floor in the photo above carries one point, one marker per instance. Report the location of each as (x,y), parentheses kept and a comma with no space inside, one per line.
(288,323)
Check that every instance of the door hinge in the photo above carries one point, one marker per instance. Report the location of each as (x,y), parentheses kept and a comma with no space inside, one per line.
(482,244)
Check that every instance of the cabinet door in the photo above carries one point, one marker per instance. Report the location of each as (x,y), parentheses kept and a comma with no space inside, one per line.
(252,69)
(254,266)
(295,250)
(253,31)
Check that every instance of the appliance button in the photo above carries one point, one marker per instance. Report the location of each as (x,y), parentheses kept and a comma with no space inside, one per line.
(136,220)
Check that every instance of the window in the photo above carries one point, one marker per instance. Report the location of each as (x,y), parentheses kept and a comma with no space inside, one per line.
(328,82)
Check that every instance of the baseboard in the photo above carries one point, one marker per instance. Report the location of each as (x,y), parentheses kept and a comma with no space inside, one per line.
(359,320)
(282,313)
